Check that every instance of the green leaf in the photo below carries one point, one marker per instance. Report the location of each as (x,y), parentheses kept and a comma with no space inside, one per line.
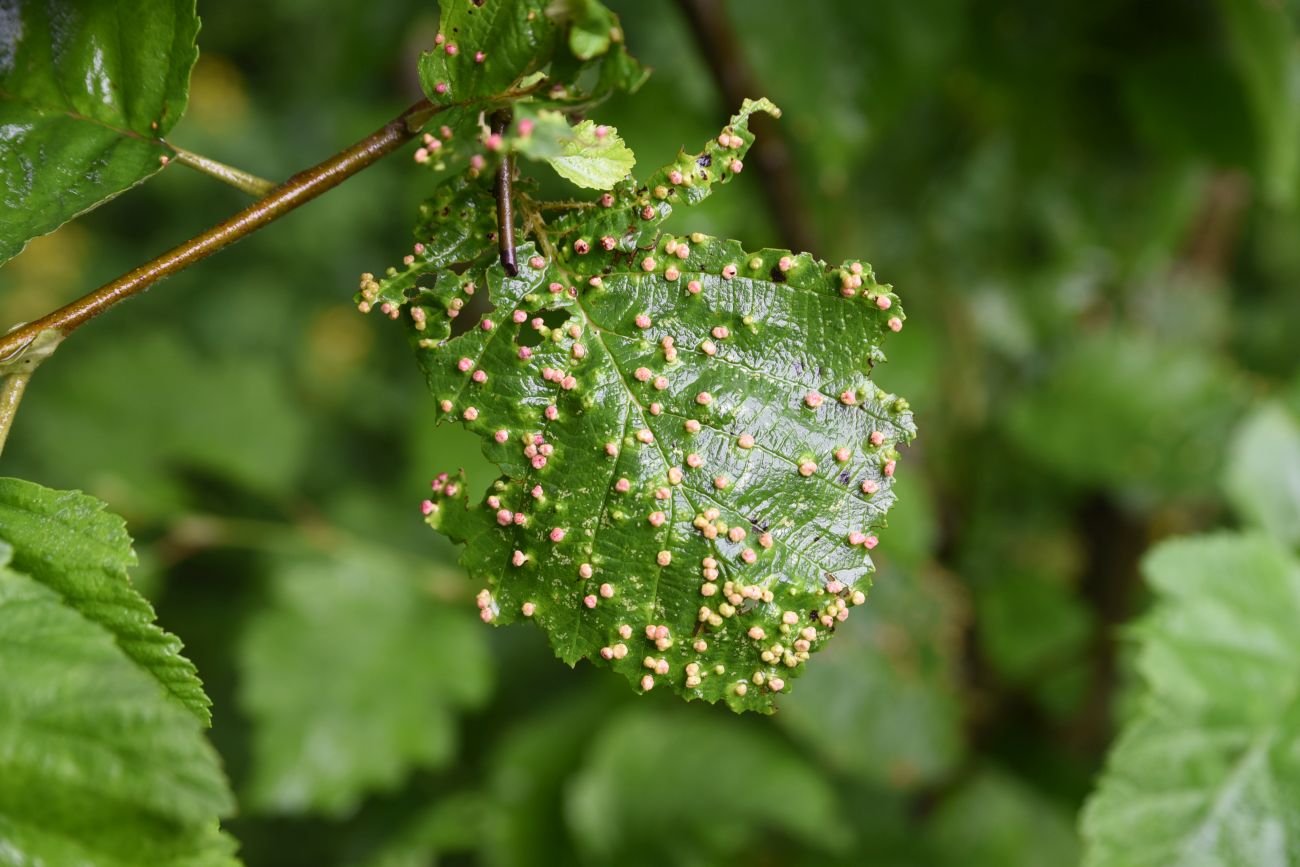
(593,30)
(994,820)
(595,157)
(1262,479)
(694,789)
(139,473)
(68,542)
(86,92)
(882,703)
(485,47)
(652,529)
(97,765)
(1262,42)
(353,676)
(1209,771)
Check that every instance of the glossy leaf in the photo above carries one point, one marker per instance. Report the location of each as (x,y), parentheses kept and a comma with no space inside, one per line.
(86,89)
(484,47)
(690,437)
(71,544)
(1209,771)
(353,675)
(97,765)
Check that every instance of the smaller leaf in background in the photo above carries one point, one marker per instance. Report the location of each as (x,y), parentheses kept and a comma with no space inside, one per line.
(1157,415)
(594,157)
(593,30)
(1261,38)
(484,48)
(1208,773)
(183,401)
(71,544)
(86,91)
(694,789)
(353,676)
(450,824)
(1262,478)
(883,703)
(994,820)
(98,766)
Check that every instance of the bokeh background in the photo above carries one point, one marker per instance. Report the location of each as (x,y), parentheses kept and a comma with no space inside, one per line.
(1088,209)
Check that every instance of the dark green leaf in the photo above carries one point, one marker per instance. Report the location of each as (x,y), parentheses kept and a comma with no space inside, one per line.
(97,765)
(86,89)
(655,534)
(69,543)
(485,47)
(353,676)
(692,790)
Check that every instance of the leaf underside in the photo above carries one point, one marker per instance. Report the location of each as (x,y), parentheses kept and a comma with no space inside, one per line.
(86,92)
(696,460)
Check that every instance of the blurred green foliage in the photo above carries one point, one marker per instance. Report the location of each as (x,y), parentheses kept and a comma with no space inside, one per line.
(1088,208)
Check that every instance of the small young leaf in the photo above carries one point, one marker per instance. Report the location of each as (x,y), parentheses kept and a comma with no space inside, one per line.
(593,30)
(595,157)
(696,459)
(97,765)
(1209,771)
(86,91)
(399,665)
(70,543)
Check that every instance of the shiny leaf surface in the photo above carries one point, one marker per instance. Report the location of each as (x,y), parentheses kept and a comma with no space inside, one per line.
(86,89)
(696,459)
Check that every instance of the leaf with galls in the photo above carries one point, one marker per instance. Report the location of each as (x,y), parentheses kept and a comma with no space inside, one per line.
(696,463)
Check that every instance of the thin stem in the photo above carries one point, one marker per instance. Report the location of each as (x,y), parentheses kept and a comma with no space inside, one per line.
(10,396)
(505,202)
(736,80)
(237,178)
(297,191)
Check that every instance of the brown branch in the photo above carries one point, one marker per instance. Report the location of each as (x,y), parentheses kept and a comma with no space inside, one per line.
(298,190)
(505,200)
(736,80)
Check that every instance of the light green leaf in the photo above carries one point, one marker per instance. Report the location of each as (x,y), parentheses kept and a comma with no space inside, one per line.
(593,30)
(68,542)
(485,47)
(722,789)
(86,90)
(595,157)
(882,702)
(353,676)
(622,417)
(1262,478)
(1209,772)
(98,766)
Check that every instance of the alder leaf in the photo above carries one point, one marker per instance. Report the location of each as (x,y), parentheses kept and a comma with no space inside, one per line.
(353,674)
(1208,773)
(86,92)
(485,46)
(70,543)
(696,460)
(595,157)
(97,765)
